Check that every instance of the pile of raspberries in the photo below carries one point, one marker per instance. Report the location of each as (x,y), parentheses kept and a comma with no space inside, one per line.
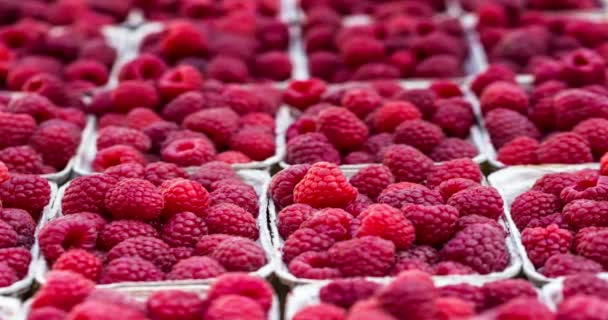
(22,201)
(223,12)
(562,119)
(397,44)
(407,215)
(134,224)
(356,124)
(240,48)
(38,136)
(516,7)
(181,120)
(68,295)
(57,64)
(413,295)
(379,9)
(563,223)
(83,14)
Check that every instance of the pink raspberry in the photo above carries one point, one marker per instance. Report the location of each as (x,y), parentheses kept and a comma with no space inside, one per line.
(446,268)
(27,192)
(320,311)
(207,244)
(521,150)
(18,259)
(310,148)
(22,160)
(37,106)
(369,309)
(196,268)
(101,310)
(585,284)
(131,94)
(357,206)
(63,290)
(256,143)
(184,195)
(567,264)
(65,233)
(526,308)
(57,142)
(345,293)
(233,157)
(312,191)
(452,149)
(583,67)
(239,254)
(333,222)
(175,304)
(243,285)
(459,168)
(371,180)
(542,243)
(217,123)
(7,235)
(282,184)
(465,292)
(452,186)
(391,114)
(388,223)
(125,171)
(567,148)
(232,220)
(480,246)
(500,292)
(118,231)
(554,183)
(365,256)
(433,224)
(484,201)
(291,218)
(593,130)
(575,105)
(313,265)
(113,135)
(241,195)
(234,306)
(412,293)
(159,172)
(454,307)
(397,195)
(16,128)
(148,248)
(134,199)
(183,229)
(419,134)
(504,95)
(465,221)
(504,125)
(79,261)
(305,240)
(361,102)
(454,116)
(130,269)
(592,246)
(585,213)
(213,171)
(407,163)
(189,152)
(342,128)
(116,155)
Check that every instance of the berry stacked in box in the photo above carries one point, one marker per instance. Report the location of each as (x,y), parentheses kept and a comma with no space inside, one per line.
(562,223)
(413,295)
(512,7)
(424,8)
(38,136)
(557,120)
(227,12)
(393,45)
(408,214)
(356,124)
(134,224)
(88,14)
(238,48)
(68,295)
(23,199)
(58,63)
(527,42)
(583,297)
(171,114)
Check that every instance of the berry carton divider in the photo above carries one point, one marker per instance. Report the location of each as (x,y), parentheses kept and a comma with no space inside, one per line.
(308,295)
(552,293)
(259,180)
(287,278)
(86,155)
(513,181)
(10,308)
(22,286)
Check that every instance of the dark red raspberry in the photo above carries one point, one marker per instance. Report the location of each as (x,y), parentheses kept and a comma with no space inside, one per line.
(542,243)
(175,304)
(388,223)
(256,143)
(313,265)
(365,256)
(18,259)
(554,183)
(419,134)
(130,269)
(484,201)
(79,261)
(586,213)
(585,284)
(22,160)
(134,199)
(568,264)
(567,148)
(143,67)
(342,128)
(240,254)
(243,285)
(310,190)
(304,93)
(291,218)
(189,152)
(575,105)
(125,171)
(66,233)
(433,224)
(211,172)
(345,293)
(27,192)
(196,268)
(241,195)
(282,184)
(593,246)
(116,155)
(87,194)
(232,220)
(504,95)
(446,89)
(593,130)
(452,186)
(148,248)
(63,290)
(505,125)
(47,313)
(361,102)
(310,148)
(412,293)
(113,135)
(305,240)
(57,142)
(407,163)
(23,224)
(391,114)
(453,148)
(320,311)
(397,195)
(521,150)
(455,116)
(132,94)
(118,231)
(16,129)
(493,74)
(183,229)
(225,68)
(480,246)
(371,180)
(184,195)
(217,123)
(234,306)
(459,168)
(500,292)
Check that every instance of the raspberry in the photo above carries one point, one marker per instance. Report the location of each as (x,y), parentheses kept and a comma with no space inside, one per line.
(8,275)
(407,163)
(591,247)
(320,311)
(227,69)
(304,93)
(575,106)
(423,253)
(134,199)
(56,142)
(365,256)
(554,183)
(567,148)
(183,229)
(567,264)
(16,128)
(377,142)
(342,128)
(242,285)
(357,206)
(524,308)
(132,94)
(125,171)
(4,174)
(118,231)
(8,236)
(130,269)
(310,148)
(175,304)
(391,114)
(183,134)
(313,265)
(217,123)
(62,290)
(521,150)
(27,192)
(446,89)
(593,130)
(143,67)
(66,233)
(481,247)
(465,292)
(291,218)
(178,80)
(397,195)
(241,195)
(196,268)
(583,67)
(465,221)
(313,191)
(113,135)
(585,213)
(81,262)
(588,187)
(305,240)
(450,187)
(369,309)
(258,119)
(182,253)
(582,307)
(233,307)
(433,224)
(116,155)
(335,223)
(101,310)
(542,243)
(232,220)
(233,157)
(505,125)
(453,148)
(256,143)
(282,184)
(371,180)
(585,284)
(411,293)
(419,134)
(410,264)
(459,168)
(273,65)
(211,172)
(87,70)
(47,313)
(188,152)
(455,116)
(504,95)
(446,268)
(388,223)
(183,105)
(22,159)
(239,254)
(555,218)
(22,222)
(184,195)
(500,292)
(345,293)
(18,259)
(37,106)
(112,119)
(361,102)
(208,243)
(484,201)
(453,307)
(360,50)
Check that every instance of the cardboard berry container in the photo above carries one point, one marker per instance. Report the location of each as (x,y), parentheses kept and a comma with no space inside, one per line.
(259,180)
(286,277)
(513,181)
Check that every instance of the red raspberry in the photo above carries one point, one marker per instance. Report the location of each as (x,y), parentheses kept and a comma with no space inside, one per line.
(18,259)
(369,309)
(446,268)
(554,183)
(118,231)
(521,150)
(592,246)
(423,99)
(310,148)
(134,199)
(582,307)
(448,308)
(433,224)
(593,130)
(575,105)
(375,143)
(397,195)
(196,268)
(505,125)
(239,254)
(66,233)
(87,70)
(241,195)
(555,218)
(450,187)
(57,142)
(585,284)
(244,101)
(217,123)
(233,157)
(189,152)
(182,253)
(8,275)
(211,172)
(304,93)
(407,163)
(4,174)
(345,293)
(371,180)
(542,243)
(310,190)
(391,114)
(426,254)
(258,119)
(459,168)
(47,313)
(365,256)
(158,132)
(313,265)
(8,236)
(388,223)
(419,134)
(305,240)
(452,149)
(102,310)
(63,290)
(484,201)
(130,269)
(357,206)
(183,39)
(230,219)
(243,285)
(568,264)
(411,293)
(159,172)
(319,312)
(87,194)
(175,304)
(360,50)
(291,218)
(504,95)
(568,148)
(37,106)
(148,248)
(282,184)
(273,65)
(583,67)
(585,213)
(524,308)
(116,155)
(183,134)
(16,129)
(227,69)
(359,157)
(143,67)
(500,292)
(81,262)
(112,119)
(446,89)
(125,171)
(113,135)
(184,195)
(183,229)
(301,126)
(465,221)
(178,80)
(455,116)
(183,105)
(480,246)
(207,244)
(465,292)
(361,102)
(256,143)
(22,159)
(27,192)
(342,128)
(439,66)
(132,94)
(234,306)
